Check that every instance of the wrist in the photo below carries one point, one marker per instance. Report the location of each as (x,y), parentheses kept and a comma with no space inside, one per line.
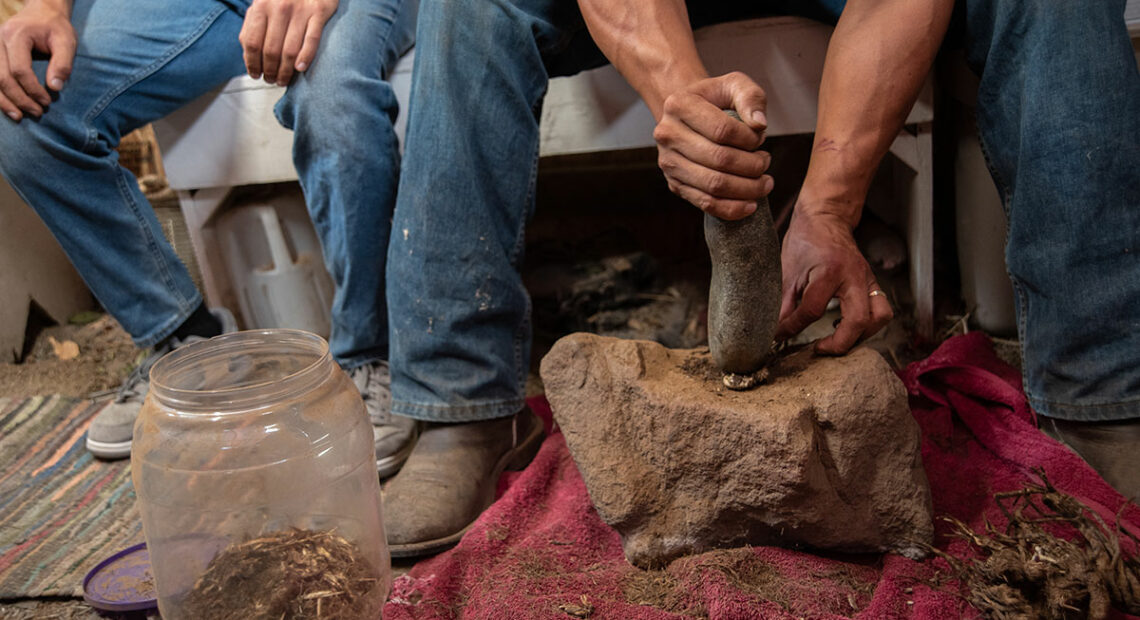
(841,210)
(664,81)
(60,6)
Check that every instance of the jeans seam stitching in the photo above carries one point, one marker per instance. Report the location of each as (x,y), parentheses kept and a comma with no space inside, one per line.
(151,242)
(485,405)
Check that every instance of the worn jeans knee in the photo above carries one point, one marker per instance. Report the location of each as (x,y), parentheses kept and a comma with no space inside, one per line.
(1058,119)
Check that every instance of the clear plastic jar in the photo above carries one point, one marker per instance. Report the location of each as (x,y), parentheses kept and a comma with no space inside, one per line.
(253,464)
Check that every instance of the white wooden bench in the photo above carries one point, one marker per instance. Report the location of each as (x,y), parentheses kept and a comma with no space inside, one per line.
(229,138)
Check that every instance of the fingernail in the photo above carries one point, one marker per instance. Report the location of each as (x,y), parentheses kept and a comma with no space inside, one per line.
(56,84)
(301,66)
(768,185)
(254,75)
(14,116)
(758,117)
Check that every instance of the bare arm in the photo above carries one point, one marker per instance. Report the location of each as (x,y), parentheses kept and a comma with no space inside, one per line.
(707,158)
(879,55)
(41,26)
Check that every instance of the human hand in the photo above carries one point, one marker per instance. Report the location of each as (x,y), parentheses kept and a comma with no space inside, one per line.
(42,27)
(820,261)
(710,158)
(280,36)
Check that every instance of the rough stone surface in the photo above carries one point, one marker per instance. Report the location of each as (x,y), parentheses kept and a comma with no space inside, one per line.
(825,454)
(744,289)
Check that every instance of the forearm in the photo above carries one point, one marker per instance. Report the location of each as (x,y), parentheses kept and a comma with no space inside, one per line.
(650,42)
(878,59)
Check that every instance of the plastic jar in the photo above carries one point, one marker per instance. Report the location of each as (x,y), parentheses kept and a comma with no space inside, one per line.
(253,464)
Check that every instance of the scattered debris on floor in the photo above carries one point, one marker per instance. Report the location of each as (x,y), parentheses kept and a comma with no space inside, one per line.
(1055,559)
(100,355)
(624,296)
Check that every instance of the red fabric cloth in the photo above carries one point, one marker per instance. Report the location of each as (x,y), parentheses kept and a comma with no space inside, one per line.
(541,547)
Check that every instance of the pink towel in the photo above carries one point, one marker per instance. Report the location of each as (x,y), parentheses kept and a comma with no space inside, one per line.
(541,551)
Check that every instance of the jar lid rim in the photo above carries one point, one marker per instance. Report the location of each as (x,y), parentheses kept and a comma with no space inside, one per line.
(247,341)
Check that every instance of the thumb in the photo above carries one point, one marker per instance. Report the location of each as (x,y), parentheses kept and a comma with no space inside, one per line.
(752,107)
(738,92)
(748,99)
(62,49)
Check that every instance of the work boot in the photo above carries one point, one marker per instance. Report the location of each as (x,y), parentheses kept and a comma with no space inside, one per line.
(450,479)
(394,436)
(110,433)
(1111,448)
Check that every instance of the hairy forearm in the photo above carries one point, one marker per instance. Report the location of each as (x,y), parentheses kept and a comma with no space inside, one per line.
(877,61)
(650,42)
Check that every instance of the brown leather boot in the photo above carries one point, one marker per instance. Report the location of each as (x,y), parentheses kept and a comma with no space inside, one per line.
(1111,448)
(450,479)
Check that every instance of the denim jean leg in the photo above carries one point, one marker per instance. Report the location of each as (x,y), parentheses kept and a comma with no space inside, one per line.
(459,312)
(1059,116)
(127,72)
(347,156)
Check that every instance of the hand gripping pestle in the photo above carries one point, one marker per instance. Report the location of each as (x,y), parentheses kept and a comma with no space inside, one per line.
(744,294)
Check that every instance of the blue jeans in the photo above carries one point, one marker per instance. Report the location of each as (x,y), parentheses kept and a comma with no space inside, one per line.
(461,315)
(1059,120)
(129,72)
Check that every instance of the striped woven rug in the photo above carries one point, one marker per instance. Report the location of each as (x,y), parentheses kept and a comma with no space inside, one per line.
(61,511)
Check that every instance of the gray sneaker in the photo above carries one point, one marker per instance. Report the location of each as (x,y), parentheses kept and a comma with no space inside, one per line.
(394,435)
(109,436)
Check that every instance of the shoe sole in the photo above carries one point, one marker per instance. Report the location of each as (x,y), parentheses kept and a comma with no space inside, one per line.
(391,464)
(515,459)
(109,450)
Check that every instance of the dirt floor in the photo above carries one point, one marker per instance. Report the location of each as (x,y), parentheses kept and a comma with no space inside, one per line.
(103,356)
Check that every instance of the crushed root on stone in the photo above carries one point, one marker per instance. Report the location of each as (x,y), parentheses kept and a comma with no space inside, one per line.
(287,575)
(1055,559)
(787,362)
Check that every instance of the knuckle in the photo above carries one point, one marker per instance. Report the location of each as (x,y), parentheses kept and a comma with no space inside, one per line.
(717,184)
(763,161)
(735,76)
(664,135)
(723,131)
(722,158)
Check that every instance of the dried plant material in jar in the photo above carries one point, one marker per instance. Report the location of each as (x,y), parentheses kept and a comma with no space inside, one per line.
(286,575)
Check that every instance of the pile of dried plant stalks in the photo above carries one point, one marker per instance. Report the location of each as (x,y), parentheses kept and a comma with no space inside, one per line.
(290,574)
(1055,559)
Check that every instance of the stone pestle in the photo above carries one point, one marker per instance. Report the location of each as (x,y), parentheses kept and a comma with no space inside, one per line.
(744,293)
